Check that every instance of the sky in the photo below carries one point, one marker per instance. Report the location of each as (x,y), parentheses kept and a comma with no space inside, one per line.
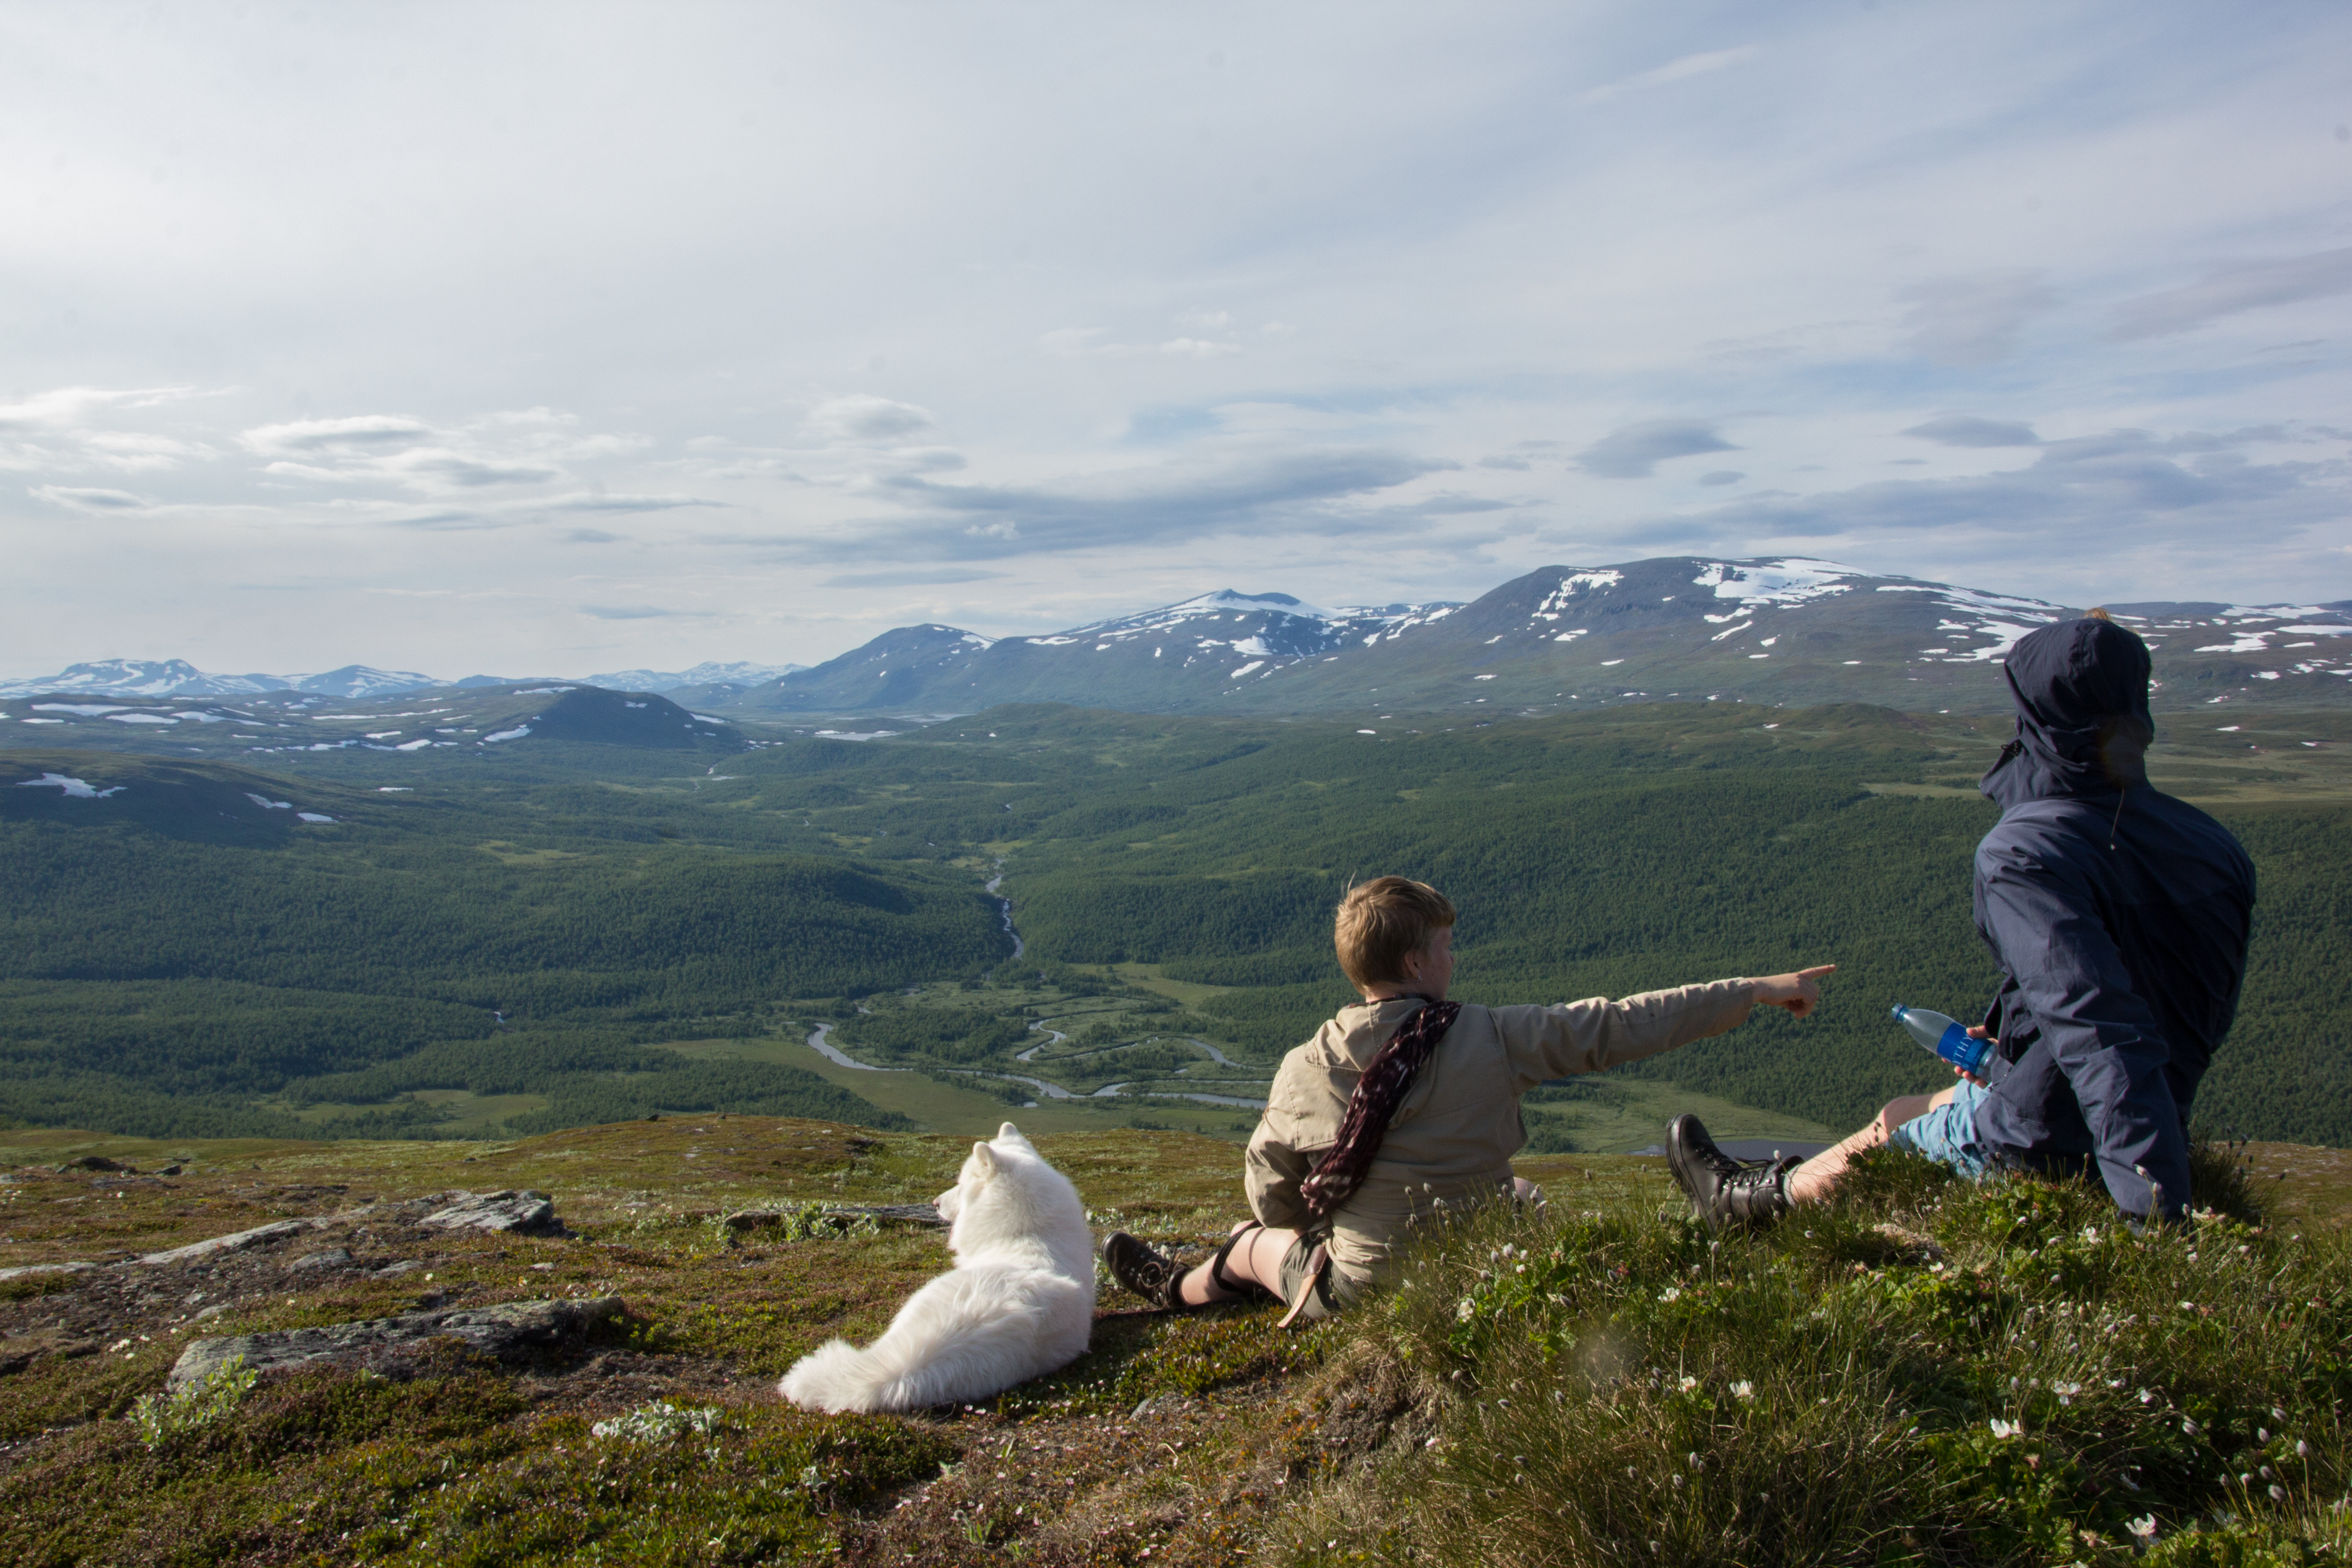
(552,339)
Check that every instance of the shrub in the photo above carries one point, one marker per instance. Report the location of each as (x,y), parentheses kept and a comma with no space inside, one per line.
(162,1417)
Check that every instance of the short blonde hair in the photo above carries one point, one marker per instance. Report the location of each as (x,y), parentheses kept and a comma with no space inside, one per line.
(1383,922)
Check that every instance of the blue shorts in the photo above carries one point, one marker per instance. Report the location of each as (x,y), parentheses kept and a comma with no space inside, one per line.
(1947,1134)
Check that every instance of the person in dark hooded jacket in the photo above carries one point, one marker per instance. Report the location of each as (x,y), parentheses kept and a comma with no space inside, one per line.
(2119,917)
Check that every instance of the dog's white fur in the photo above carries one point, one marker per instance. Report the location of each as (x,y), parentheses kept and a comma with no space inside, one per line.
(1019,1302)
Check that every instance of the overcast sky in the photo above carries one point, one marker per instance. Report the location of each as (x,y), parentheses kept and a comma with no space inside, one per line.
(563,338)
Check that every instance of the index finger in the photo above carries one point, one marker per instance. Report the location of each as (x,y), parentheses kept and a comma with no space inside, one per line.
(1823,969)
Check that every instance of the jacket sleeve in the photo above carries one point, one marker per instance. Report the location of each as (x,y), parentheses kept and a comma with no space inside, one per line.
(1276,1166)
(1542,1043)
(2044,920)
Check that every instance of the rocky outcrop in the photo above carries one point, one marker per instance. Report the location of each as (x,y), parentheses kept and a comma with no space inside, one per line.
(523,1213)
(493,1330)
(236,1241)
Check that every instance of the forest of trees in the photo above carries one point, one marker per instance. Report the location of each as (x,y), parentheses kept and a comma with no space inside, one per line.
(156,977)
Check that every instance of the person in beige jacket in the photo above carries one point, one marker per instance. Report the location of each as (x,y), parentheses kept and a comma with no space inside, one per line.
(1407,1107)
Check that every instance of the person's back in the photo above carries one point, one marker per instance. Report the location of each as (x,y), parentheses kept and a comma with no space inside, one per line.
(2120,917)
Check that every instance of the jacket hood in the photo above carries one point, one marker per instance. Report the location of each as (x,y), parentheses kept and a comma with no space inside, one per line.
(1357,1033)
(2083,724)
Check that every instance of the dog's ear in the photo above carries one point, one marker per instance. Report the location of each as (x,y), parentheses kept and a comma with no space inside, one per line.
(983,1159)
(1008,1133)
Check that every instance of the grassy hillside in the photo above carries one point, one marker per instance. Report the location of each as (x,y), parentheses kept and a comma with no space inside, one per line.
(1928,1374)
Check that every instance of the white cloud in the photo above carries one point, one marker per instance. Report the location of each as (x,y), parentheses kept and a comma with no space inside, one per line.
(1975,319)
(865,419)
(1679,69)
(1633,451)
(85,499)
(1967,430)
(2226,290)
(69,407)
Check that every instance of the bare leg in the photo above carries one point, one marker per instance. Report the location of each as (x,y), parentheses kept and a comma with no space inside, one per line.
(1258,1259)
(1811,1182)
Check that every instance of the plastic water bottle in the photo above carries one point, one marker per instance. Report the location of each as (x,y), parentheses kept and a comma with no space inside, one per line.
(1948,1037)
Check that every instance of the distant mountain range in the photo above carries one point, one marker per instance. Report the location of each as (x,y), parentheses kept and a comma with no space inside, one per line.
(178,678)
(1783,630)
(1773,630)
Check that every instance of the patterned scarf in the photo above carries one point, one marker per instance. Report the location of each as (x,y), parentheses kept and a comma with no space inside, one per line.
(1372,1107)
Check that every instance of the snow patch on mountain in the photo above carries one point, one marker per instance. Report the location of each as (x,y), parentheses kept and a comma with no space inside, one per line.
(1788,582)
(75,789)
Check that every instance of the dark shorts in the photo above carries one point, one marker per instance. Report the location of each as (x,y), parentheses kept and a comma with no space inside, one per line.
(1324,1294)
(1947,1134)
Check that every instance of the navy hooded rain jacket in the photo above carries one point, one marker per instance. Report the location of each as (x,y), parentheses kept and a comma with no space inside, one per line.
(2119,917)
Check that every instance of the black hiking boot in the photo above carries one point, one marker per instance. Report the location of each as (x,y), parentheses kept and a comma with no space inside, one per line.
(1725,1192)
(1142,1270)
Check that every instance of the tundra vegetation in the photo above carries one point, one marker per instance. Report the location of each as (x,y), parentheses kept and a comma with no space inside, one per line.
(1925,1372)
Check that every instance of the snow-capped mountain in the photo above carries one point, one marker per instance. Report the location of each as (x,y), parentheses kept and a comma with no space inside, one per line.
(707,673)
(1778,629)
(178,678)
(1773,630)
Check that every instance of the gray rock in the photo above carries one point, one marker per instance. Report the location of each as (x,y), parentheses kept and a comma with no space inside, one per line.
(31,1268)
(528,1213)
(494,1331)
(218,1309)
(93,1162)
(236,1241)
(333,1257)
(404,1265)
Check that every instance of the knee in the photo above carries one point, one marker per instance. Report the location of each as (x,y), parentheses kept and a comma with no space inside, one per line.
(1897,1111)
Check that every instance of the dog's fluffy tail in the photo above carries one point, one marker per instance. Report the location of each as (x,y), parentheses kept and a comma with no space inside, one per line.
(833,1377)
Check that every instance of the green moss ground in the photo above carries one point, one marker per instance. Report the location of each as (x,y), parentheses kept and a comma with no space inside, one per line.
(1249,1440)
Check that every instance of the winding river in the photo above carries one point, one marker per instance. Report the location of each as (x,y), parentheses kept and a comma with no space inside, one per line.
(839,1058)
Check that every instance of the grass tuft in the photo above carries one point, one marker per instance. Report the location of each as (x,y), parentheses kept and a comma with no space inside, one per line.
(1926,1369)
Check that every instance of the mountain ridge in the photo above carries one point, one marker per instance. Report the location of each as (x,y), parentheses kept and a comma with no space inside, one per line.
(1768,629)
(1773,629)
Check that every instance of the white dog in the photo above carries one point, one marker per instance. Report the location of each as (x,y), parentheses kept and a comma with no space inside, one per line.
(1019,1302)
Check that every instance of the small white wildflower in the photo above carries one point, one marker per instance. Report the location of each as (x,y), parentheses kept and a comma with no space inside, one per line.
(1671,1293)
(2001,1428)
(2065,1392)
(1743,1389)
(2188,1425)
(1463,1310)
(2144,1527)
(2302,1449)
(2146,1397)
(2278,1494)
(1687,1383)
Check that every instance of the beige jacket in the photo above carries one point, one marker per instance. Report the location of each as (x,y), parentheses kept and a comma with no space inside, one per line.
(1454,1137)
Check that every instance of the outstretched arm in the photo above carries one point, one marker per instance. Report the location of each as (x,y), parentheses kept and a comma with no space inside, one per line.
(1598,1034)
